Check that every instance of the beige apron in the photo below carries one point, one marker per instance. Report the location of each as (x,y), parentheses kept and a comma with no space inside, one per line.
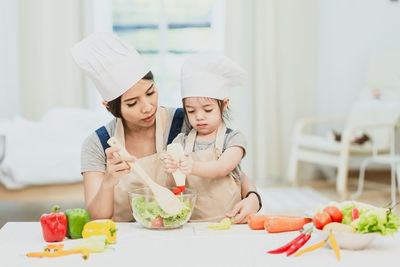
(151,164)
(216,196)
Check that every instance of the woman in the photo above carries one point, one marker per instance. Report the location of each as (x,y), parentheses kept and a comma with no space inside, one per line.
(129,93)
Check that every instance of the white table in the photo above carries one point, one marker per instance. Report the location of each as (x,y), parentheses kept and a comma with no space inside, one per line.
(192,245)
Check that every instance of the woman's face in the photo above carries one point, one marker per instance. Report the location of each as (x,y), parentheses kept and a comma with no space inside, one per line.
(139,104)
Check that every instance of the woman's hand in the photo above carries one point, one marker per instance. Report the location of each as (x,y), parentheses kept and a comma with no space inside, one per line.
(244,208)
(186,164)
(116,166)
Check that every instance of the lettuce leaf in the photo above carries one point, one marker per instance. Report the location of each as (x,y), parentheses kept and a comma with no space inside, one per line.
(371,219)
(146,212)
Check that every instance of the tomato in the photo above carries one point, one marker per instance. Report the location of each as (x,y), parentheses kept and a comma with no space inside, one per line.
(157,222)
(335,213)
(321,219)
(355,214)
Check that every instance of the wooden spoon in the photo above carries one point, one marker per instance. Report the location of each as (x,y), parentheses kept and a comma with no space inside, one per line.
(165,198)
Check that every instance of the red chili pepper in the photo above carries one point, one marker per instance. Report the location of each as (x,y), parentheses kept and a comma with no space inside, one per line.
(284,248)
(355,214)
(54,225)
(293,248)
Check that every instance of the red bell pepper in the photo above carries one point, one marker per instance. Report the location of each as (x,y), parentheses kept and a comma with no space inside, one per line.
(54,225)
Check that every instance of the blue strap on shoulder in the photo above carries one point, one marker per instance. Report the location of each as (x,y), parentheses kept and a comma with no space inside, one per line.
(176,125)
(103,136)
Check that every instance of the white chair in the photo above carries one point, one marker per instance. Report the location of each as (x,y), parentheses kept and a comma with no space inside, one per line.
(392,159)
(377,106)
(322,150)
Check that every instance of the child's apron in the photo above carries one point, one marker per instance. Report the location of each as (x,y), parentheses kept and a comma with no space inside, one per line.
(215,196)
(151,164)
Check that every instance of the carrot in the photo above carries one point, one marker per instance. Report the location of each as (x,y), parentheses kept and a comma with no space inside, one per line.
(257,222)
(84,252)
(284,224)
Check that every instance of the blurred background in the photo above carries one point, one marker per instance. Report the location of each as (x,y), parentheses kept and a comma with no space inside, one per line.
(307,58)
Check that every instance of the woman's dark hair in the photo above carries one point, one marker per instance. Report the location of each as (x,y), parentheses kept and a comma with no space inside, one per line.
(224,114)
(114,106)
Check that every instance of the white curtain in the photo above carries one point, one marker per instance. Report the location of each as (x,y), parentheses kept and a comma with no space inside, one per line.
(48,75)
(276,42)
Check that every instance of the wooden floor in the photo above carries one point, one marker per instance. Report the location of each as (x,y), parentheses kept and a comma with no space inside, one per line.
(28,204)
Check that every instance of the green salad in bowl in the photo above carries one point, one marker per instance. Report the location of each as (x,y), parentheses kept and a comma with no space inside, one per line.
(355,224)
(147,212)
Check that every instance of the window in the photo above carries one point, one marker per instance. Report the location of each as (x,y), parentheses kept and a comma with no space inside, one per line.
(166,32)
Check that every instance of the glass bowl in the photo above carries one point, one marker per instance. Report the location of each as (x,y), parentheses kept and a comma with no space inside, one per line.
(148,213)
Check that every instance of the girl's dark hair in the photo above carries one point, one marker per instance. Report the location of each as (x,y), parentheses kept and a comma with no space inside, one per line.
(114,106)
(224,114)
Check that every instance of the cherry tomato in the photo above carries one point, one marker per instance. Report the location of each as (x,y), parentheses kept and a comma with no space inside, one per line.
(321,219)
(157,222)
(335,213)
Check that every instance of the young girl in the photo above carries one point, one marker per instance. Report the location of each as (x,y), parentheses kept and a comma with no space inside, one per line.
(212,151)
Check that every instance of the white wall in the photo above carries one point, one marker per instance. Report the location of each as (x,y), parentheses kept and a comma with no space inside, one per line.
(350,32)
(9,60)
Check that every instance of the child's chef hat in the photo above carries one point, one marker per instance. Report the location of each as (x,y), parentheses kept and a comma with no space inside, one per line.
(209,74)
(110,63)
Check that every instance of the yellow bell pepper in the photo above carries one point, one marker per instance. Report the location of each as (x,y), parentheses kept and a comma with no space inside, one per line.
(100,227)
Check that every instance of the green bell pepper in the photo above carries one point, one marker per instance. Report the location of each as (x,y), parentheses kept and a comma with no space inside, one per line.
(77,218)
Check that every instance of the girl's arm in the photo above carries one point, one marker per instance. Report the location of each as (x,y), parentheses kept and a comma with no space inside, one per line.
(227,162)
(99,186)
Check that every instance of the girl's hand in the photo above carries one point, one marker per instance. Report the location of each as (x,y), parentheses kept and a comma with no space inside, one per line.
(168,163)
(244,208)
(116,166)
(186,164)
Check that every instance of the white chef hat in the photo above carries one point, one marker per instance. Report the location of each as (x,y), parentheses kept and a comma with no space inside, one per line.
(209,74)
(110,63)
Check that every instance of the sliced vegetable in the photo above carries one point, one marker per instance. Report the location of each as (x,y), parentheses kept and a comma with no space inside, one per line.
(157,222)
(285,224)
(53,247)
(355,214)
(95,243)
(224,224)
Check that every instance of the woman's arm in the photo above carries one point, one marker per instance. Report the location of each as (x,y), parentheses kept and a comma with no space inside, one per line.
(226,163)
(99,187)
(248,205)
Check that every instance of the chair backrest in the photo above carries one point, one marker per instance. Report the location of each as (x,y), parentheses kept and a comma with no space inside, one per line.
(380,100)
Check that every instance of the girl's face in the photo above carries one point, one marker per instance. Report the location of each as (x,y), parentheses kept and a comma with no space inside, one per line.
(139,104)
(204,114)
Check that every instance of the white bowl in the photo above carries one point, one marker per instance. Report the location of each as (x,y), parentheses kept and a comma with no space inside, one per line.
(351,241)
